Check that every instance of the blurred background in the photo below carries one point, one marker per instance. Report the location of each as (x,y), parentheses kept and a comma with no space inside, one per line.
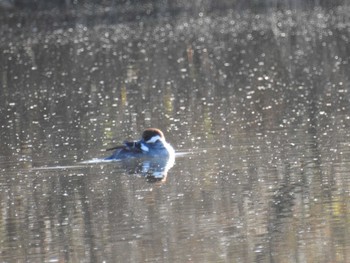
(253,95)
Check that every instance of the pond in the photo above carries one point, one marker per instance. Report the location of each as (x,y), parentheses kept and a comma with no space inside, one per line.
(255,104)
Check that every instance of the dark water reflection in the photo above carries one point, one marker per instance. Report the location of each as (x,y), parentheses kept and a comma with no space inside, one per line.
(260,102)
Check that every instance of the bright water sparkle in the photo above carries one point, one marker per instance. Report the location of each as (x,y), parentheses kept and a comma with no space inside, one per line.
(256,105)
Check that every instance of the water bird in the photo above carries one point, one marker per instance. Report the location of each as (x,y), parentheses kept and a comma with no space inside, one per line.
(152,144)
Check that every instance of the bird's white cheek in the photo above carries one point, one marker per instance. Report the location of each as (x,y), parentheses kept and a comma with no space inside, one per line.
(144,147)
(154,139)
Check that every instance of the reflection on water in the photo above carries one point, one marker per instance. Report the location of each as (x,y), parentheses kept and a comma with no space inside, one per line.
(153,169)
(261,102)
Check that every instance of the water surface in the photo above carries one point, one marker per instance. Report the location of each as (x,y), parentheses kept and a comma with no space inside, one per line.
(259,102)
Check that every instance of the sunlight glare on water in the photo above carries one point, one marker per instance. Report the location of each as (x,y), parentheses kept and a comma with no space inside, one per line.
(256,105)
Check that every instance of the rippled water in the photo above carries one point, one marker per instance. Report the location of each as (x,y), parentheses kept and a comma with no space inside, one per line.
(256,105)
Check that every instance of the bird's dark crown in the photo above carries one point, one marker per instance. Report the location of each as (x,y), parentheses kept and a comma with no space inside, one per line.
(151,132)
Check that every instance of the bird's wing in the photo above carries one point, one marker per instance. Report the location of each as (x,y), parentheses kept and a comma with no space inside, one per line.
(134,146)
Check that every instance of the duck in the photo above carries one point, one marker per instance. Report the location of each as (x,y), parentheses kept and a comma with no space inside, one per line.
(151,145)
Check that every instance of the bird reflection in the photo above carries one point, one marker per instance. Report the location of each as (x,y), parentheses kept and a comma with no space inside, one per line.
(153,169)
